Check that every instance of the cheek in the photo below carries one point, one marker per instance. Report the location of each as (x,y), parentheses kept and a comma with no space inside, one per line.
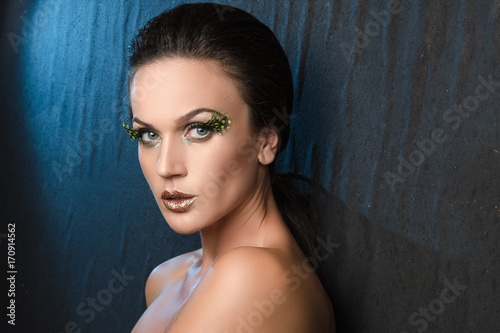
(229,171)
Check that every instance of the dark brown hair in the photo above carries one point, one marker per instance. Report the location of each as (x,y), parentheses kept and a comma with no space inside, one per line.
(249,52)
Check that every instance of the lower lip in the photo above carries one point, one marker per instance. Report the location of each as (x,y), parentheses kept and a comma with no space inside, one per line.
(180,205)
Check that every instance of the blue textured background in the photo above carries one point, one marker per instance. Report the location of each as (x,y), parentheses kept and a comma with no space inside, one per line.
(73,185)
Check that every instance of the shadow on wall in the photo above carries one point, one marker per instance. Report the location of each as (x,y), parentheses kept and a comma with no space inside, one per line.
(379,280)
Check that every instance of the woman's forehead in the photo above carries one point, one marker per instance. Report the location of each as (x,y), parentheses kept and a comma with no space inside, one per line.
(175,86)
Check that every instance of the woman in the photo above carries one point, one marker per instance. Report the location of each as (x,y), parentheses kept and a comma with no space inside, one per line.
(210,86)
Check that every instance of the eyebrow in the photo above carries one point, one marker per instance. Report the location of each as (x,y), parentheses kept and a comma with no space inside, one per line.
(184,118)
(137,120)
(194,113)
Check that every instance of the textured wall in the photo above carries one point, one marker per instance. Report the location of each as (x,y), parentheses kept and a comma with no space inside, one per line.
(397,120)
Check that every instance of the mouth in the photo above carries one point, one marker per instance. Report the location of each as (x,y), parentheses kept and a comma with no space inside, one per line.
(177,201)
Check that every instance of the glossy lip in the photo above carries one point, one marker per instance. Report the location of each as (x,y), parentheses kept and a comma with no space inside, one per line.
(177,201)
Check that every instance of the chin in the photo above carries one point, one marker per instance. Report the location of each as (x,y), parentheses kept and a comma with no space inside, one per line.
(182,223)
(183,231)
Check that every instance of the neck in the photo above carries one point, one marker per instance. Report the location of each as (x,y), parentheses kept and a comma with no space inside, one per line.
(258,223)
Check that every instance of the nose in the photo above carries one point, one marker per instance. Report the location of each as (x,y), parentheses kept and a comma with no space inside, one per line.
(171,160)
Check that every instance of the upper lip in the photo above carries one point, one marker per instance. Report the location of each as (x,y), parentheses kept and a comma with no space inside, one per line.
(169,195)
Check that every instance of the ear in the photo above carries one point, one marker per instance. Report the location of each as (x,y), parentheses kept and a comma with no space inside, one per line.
(268,147)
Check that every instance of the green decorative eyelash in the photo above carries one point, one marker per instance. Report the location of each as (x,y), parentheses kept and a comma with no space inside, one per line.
(217,123)
(134,134)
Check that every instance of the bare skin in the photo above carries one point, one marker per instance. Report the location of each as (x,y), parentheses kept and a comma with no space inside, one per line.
(249,275)
(241,285)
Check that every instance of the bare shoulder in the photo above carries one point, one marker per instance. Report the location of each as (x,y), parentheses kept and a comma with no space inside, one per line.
(167,272)
(256,288)
(257,260)
(282,281)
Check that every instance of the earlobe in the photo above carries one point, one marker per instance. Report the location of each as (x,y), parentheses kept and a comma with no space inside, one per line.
(269,146)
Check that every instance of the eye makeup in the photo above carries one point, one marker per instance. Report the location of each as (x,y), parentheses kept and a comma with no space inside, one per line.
(134,134)
(195,132)
(146,136)
(218,123)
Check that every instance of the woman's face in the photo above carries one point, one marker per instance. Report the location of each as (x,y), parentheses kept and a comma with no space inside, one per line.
(197,176)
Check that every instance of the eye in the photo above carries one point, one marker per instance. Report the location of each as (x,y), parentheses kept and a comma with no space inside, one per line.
(201,132)
(149,138)
(198,131)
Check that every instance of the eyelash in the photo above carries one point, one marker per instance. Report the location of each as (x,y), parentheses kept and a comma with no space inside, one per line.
(195,126)
(215,124)
(218,124)
(140,134)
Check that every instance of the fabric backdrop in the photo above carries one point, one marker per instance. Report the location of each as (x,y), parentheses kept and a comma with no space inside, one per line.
(396,123)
